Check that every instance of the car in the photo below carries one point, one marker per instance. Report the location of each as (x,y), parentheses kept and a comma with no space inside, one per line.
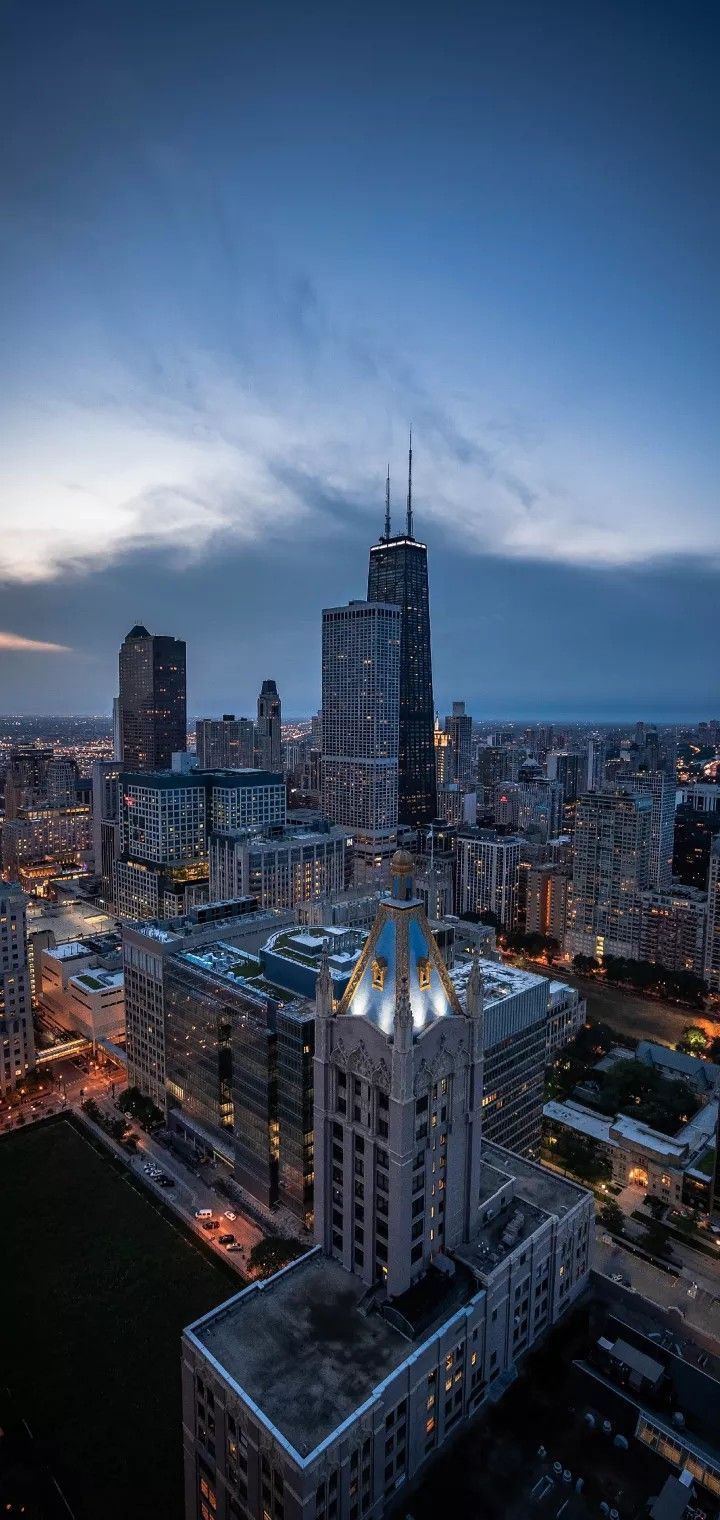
(166,1181)
(229,1214)
(226,1240)
(203,1213)
(210,1224)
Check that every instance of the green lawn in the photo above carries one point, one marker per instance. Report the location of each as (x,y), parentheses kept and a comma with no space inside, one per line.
(97,1284)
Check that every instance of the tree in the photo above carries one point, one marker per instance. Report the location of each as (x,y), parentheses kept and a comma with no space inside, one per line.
(693,1041)
(142,1108)
(274,1253)
(654,1240)
(611,1215)
(585,965)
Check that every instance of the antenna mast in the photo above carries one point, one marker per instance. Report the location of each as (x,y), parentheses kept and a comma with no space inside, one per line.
(409,495)
(387,504)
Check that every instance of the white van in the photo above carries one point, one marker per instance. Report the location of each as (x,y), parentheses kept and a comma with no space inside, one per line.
(203,1213)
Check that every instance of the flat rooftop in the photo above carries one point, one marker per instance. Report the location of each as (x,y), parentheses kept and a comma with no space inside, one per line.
(499,981)
(301,1350)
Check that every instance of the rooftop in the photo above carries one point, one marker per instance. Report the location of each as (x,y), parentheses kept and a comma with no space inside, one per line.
(299,1347)
(499,981)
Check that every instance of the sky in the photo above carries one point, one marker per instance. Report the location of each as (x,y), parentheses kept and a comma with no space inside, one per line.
(244,246)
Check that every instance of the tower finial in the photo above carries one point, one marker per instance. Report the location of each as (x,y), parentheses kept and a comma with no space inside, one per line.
(409,495)
(387,504)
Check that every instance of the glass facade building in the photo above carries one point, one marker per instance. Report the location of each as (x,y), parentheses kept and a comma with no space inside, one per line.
(152,701)
(398,574)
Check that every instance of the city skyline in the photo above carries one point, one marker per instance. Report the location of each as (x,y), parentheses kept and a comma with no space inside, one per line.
(197,426)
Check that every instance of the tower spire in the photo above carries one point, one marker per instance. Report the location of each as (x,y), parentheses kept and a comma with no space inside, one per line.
(387,504)
(409,495)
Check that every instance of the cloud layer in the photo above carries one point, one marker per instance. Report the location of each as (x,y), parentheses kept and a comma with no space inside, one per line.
(18,644)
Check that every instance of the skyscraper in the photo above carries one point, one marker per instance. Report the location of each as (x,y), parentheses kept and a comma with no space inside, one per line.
(440,1257)
(226,743)
(152,701)
(398,573)
(611,867)
(458,726)
(17,1042)
(268,742)
(360,713)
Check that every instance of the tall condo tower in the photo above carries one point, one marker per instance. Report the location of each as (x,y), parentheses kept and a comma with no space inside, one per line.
(268,743)
(360,723)
(398,574)
(152,702)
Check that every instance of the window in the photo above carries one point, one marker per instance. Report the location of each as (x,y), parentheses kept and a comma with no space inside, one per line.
(424,973)
(379,968)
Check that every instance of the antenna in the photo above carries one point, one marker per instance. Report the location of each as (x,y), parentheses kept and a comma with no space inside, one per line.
(387,504)
(409,495)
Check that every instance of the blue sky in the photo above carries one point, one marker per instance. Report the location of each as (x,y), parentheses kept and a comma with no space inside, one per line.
(245,245)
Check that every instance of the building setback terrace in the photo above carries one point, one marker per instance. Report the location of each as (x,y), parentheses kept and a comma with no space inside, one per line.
(300,1347)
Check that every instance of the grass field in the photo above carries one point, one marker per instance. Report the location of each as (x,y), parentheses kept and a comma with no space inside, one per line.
(97,1284)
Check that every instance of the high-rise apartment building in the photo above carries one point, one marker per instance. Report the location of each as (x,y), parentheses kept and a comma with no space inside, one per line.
(444,759)
(152,701)
(289,867)
(360,711)
(17,1041)
(226,743)
(268,739)
(570,770)
(486,874)
(166,819)
(672,928)
(458,727)
(441,1258)
(548,890)
(661,789)
(398,573)
(712,934)
(611,867)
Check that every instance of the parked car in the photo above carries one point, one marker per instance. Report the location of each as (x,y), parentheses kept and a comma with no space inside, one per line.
(203,1213)
(229,1214)
(226,1240)
(210,1224)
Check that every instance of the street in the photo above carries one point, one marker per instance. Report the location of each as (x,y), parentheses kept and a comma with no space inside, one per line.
(63,1085)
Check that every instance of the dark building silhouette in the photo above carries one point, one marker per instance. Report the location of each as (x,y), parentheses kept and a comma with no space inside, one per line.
(398,574)
(694,834)
(268,729)
(152,702)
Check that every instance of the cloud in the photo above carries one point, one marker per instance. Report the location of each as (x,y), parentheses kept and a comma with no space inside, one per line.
(184,451)
(15,641)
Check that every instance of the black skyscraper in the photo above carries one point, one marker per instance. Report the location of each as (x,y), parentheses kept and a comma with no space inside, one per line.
(153,709)
(398,574)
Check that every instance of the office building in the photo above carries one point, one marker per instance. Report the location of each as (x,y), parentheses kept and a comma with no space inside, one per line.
(611,868)
(290,867)
(82,987)
(26,779)
(458,727)
(440,1260)
(147,949)
(516,1005)
(486,874)
(548,888)
(152,701)
(672,928)
(360,711)
(712,935)
(596,764)
(268,729)
(105,822)
(226,743)
(497,764)
(17,1040)
(398,574)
